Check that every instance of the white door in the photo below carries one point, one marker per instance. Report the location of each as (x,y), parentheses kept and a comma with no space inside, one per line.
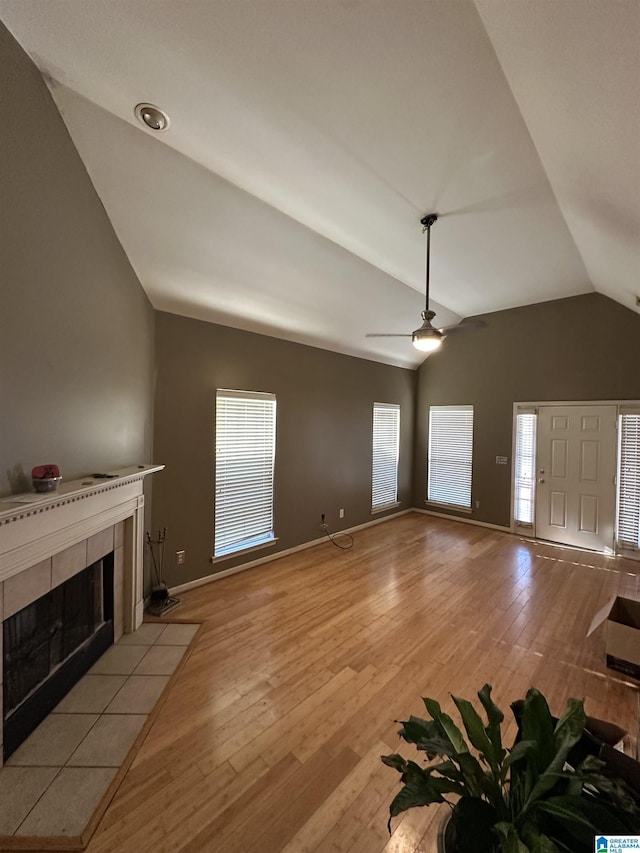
(576,458)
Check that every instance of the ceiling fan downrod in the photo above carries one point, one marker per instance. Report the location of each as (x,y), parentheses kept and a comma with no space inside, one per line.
(426,338)
(426,222)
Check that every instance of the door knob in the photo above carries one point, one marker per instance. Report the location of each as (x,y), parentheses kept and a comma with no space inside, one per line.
(541,480)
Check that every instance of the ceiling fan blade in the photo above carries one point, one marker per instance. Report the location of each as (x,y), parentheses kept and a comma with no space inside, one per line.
(464,326)
(385,335)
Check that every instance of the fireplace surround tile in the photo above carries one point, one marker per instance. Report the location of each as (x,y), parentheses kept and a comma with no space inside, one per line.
(118,534)
(22,589)
(65,564)
(99,544)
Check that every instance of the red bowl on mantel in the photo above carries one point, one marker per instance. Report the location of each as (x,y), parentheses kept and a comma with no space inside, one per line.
(45,478)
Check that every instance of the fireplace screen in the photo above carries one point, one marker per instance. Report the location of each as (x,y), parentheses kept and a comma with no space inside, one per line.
(42,636)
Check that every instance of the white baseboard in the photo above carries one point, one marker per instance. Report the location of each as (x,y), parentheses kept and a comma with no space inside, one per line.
(174,590)
(464,520)
(303,547)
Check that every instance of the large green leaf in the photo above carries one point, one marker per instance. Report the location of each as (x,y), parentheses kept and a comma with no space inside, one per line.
(570,726)
(474,776)
(604,817)
(564,808)
(418,790)
(567,733)
(447,726)
(415,729)
(519,751)
(450,770)
(396,761)
(427,736)
(536,724)
(537,841)
(508,839)
(476,731)
(494,716)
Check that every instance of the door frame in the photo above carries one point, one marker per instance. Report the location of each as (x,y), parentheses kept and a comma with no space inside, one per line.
(530,530)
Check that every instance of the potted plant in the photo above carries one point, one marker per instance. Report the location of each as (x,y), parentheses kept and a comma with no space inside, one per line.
(526,799)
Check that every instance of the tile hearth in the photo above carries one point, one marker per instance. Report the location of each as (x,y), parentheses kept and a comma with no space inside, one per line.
(53,783)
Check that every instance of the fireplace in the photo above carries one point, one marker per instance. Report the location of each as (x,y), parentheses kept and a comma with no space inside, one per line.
(47,540)
(50,644)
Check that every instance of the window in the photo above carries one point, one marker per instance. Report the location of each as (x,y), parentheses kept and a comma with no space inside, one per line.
(450,455)
(384,468)
(525,463)
(245,455)
(629,479)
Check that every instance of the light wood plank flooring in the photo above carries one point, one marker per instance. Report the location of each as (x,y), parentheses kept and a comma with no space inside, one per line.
(270,739)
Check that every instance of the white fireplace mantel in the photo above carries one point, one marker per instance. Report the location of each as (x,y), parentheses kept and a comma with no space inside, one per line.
(33,527)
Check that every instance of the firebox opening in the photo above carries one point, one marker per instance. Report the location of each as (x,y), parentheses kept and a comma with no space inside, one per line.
(50,644)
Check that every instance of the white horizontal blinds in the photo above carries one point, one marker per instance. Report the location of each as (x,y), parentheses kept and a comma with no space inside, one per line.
(450,455)
(245,455)
(629,479)
(386,442)
(525,467)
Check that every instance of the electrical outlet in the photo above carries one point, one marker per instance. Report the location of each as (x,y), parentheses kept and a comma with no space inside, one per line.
(341,513)
(477,504)
(179,557)
(322,519)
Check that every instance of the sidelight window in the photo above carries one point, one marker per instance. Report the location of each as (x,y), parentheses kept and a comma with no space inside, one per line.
(629,479)
(525,468)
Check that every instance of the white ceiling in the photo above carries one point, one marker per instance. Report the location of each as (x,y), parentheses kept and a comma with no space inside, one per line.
(309,137)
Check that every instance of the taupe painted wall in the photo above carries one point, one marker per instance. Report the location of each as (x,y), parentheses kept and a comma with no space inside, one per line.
(323,433)
(76,328)
(582,348)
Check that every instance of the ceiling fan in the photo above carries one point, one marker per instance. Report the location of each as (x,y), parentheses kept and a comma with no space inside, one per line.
(427,338)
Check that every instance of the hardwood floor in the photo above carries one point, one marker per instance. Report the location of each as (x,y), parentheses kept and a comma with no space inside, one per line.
(271,738)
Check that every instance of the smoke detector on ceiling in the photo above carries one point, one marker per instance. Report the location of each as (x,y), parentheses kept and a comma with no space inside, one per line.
(152,117)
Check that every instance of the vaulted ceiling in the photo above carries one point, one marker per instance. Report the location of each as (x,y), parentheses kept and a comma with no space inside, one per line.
(308,138)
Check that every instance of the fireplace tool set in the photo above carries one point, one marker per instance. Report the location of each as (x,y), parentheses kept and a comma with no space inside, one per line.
(160,600)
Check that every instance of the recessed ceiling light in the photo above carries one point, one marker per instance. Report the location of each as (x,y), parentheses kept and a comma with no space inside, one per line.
(153,117)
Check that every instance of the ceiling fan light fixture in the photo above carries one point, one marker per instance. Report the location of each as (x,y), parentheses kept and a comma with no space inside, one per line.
(426,340)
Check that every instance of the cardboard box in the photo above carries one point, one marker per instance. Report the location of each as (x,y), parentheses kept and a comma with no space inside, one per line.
(621,617)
